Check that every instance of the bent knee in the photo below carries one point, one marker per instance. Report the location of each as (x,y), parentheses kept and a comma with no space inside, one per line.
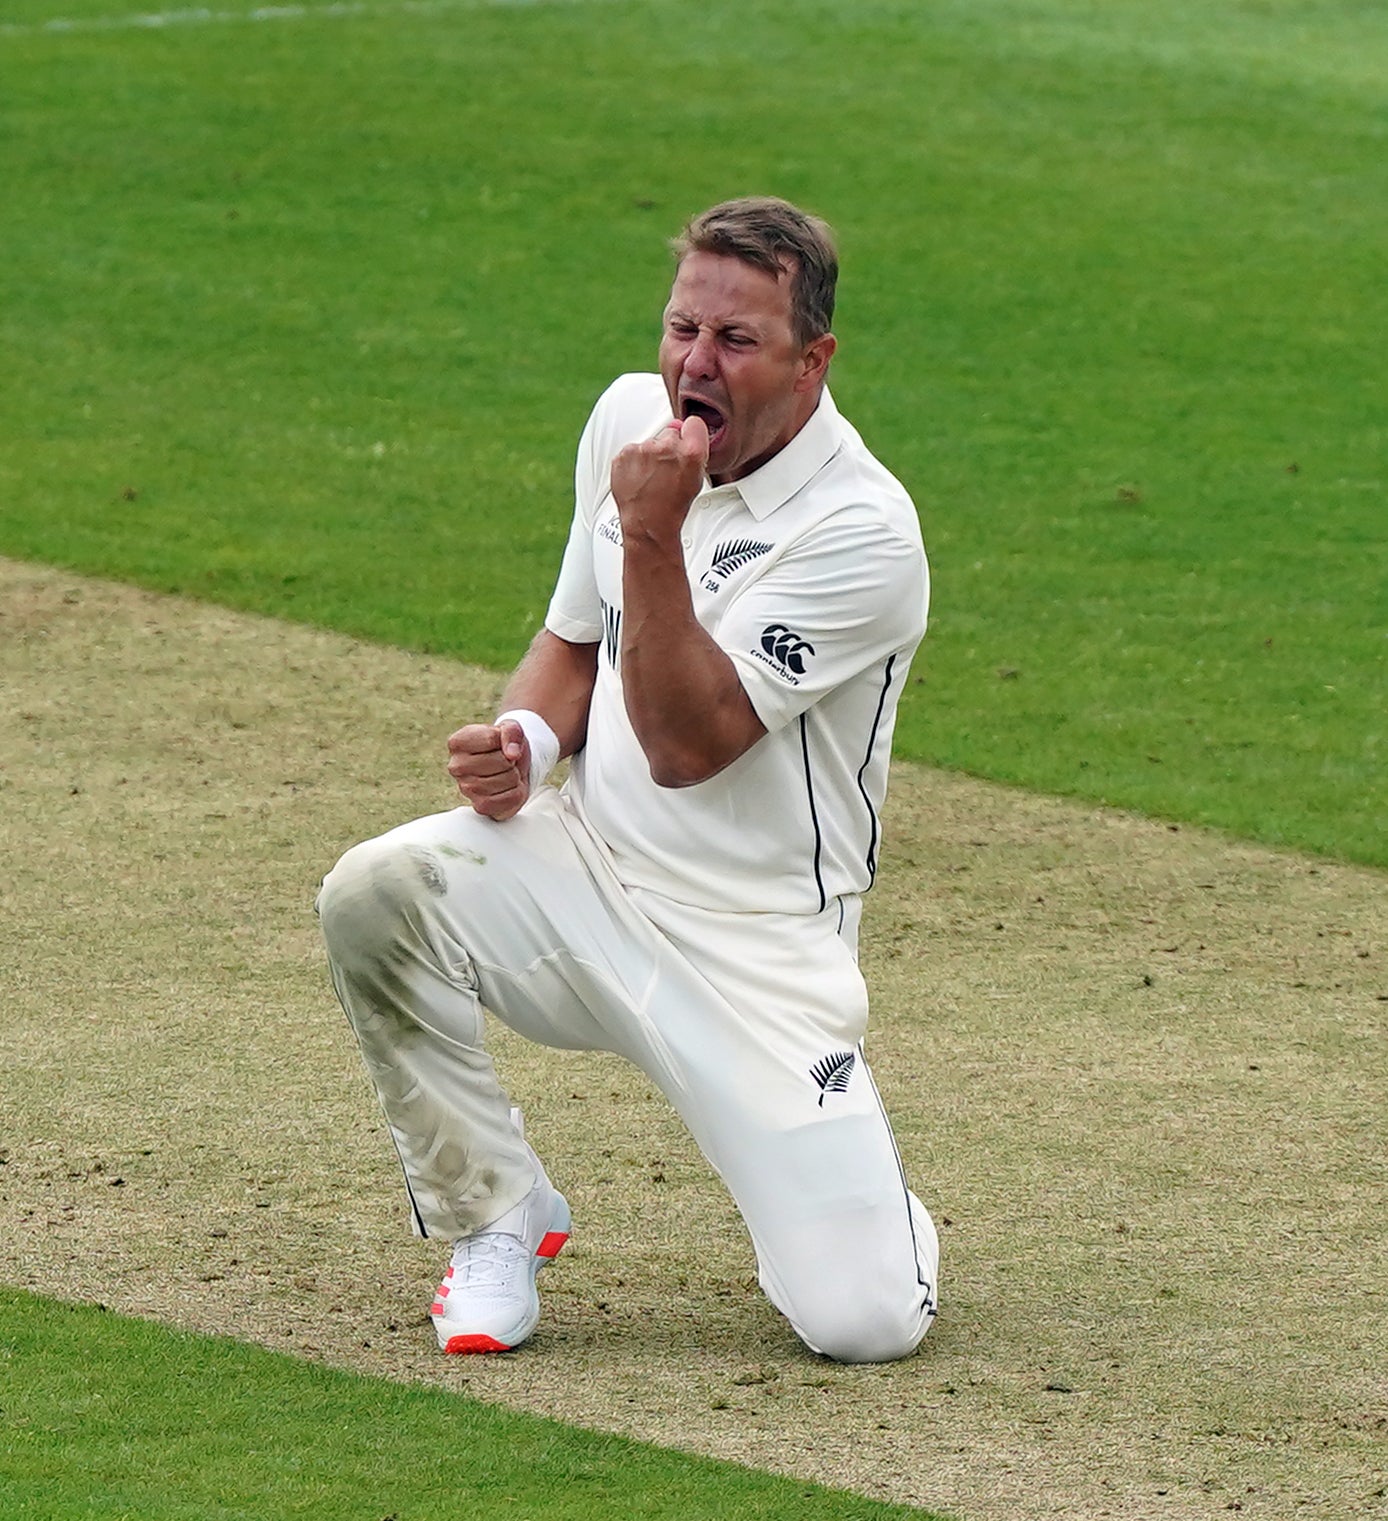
(372,893)
(848,1338)
(866,1295)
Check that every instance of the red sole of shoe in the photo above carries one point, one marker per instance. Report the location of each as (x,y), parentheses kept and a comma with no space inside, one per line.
(463,1344)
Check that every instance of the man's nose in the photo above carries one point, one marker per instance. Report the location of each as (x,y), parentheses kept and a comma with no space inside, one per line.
(701,358)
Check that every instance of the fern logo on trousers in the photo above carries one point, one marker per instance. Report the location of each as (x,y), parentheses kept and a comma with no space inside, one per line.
(832,1074)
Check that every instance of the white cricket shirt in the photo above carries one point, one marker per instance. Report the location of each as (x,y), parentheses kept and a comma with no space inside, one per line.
(811,575)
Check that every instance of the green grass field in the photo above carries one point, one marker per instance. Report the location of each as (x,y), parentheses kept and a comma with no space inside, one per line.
(304,315)
(116,1418)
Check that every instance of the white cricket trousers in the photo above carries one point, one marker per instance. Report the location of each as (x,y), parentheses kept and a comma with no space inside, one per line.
(750,1024)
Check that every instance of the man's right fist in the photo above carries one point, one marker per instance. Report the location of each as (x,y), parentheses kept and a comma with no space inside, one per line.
(491,765)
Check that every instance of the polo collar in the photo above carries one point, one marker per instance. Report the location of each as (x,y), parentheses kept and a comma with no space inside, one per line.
(773,484)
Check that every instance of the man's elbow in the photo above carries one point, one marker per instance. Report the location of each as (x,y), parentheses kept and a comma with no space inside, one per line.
(683,754)
(685,769)
(687,765)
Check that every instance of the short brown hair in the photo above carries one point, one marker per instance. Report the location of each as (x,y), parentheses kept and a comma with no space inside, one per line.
(771,234)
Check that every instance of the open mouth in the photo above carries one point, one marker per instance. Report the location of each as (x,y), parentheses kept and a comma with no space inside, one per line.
(709,415)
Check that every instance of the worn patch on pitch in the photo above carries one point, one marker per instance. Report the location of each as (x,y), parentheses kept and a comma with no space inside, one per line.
(1139,1073)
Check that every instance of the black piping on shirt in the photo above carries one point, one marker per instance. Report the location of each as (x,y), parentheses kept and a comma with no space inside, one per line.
(814,815)
(867,759)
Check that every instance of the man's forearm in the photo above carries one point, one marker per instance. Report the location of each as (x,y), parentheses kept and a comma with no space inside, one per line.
(685,701)
(683,696)
(555,679)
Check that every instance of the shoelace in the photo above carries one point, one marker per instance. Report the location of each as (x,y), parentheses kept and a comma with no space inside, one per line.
(489,1260)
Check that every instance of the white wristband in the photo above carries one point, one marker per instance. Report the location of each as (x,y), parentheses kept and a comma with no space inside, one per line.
(543,742)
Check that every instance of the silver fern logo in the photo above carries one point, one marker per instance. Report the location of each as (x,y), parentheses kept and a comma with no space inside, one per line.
(832,1074)
(735,554)
(732,556)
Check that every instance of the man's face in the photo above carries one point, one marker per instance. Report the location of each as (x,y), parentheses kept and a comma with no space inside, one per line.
(728,354)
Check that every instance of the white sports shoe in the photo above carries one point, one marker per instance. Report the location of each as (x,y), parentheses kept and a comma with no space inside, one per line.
(487,1301)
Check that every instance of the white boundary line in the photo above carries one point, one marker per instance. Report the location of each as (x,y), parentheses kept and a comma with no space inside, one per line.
(202,16)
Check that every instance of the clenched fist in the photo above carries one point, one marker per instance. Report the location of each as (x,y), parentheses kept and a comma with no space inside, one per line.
(654,482)
(491,765)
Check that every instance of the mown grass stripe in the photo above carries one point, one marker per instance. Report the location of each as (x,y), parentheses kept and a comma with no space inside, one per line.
(106,1416)
(195,16)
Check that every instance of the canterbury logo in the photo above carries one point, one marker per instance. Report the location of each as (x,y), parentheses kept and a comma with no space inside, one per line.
(735,554)
(786,648)
(832,1074)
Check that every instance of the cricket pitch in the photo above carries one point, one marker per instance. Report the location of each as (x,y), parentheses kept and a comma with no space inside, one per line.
(1138,1072)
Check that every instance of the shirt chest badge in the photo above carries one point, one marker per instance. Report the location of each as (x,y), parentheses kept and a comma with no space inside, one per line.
(729,557)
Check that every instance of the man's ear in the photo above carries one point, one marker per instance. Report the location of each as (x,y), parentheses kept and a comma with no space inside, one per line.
(815,362)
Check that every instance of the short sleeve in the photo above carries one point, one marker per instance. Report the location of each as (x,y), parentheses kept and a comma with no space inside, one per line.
(632,406)
(575,609)
(848,596)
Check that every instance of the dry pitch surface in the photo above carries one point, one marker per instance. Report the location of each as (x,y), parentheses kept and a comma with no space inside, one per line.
(1139,1073)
